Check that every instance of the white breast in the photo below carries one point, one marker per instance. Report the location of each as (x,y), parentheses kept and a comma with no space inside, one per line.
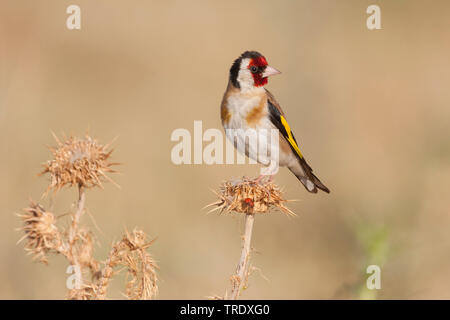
(258,144)
(239,106)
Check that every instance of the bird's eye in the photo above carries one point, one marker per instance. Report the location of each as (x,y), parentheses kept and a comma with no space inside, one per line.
(253,69)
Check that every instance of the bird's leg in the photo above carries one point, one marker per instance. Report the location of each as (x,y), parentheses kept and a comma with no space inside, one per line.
(259,179)
(262,177)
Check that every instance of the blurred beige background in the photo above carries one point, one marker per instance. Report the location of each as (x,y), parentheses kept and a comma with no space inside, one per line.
(369,108)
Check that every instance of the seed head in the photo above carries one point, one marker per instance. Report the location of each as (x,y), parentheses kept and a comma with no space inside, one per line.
(141,275)
(41,234)
(247,196)
(130,254)
(78,161)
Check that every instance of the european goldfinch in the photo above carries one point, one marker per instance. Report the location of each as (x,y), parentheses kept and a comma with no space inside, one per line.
(247,104)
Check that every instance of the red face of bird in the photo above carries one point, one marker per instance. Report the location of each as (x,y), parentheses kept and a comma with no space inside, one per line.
(251,70)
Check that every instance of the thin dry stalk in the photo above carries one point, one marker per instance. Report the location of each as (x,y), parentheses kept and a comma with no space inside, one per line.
(73,231)
(240,278)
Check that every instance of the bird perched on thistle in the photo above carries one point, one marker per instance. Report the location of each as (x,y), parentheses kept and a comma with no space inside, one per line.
(246,104)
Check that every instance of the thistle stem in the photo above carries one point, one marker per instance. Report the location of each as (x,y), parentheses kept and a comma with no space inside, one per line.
(74,230)
(241,275)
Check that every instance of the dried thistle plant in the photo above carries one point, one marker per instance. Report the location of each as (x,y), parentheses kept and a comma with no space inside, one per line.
(130,253)
(78,162)
(40,232)
(246,196)
(250,198)
(83,163)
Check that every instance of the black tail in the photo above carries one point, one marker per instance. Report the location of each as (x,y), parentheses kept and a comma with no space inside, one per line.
(304,173)
(319,184)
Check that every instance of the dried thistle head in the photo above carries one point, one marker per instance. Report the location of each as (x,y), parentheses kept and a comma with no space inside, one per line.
(141,274)
(78,161)
(246,196)
(131,253)
(41,234)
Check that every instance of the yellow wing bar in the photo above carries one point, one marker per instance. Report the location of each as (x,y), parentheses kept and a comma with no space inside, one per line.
(290,137)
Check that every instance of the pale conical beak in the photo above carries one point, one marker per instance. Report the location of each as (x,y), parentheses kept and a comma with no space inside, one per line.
(270,72)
